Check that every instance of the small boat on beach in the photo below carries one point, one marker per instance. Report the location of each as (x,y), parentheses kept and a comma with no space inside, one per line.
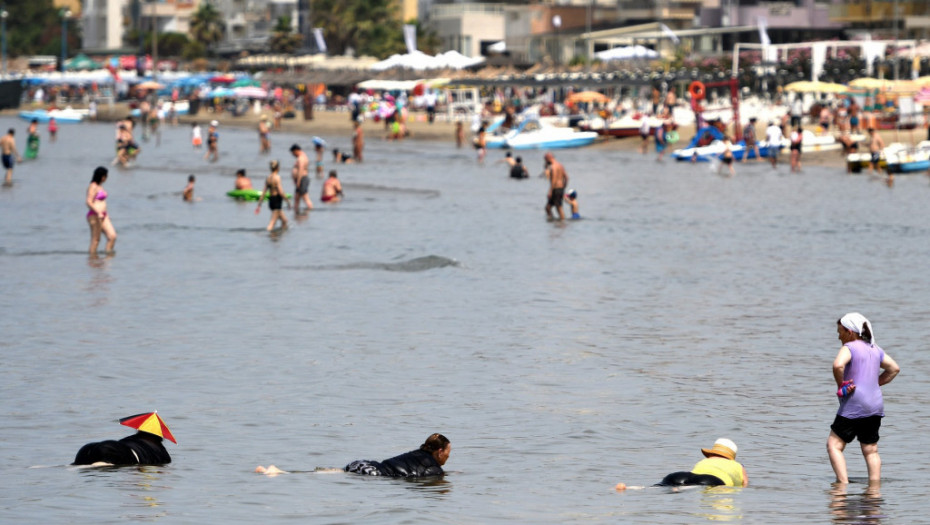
(181,107)
(531,134)
(625,126)
(62,116)
(902,159)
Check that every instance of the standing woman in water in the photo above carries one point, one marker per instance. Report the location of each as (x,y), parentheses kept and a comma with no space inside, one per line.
(97,216)
(275,192)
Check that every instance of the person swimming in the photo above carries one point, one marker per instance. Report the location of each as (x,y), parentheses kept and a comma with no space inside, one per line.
(426,461)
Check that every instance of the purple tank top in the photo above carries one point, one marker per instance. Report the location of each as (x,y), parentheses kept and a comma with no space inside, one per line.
(863,369)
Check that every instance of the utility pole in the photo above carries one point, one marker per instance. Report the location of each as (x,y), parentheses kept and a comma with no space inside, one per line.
(894,21)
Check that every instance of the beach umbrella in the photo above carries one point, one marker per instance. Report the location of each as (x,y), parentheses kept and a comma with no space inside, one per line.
(250,92)
(587,96)
(806,86)
(149,84)
(870,83)
(223,79)
(245,82)
(222,92)
(82,61)
(149,422)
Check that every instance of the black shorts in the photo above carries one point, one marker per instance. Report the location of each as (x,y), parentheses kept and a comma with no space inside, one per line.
(795,121)
(876,157)
(864,428)
(557,195)
(274,202)
(728,160)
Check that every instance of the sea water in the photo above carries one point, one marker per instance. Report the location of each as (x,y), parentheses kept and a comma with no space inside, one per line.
(560,358)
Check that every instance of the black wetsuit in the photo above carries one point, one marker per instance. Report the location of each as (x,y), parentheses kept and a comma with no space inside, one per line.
(413,464)
(141,448)
(679,479)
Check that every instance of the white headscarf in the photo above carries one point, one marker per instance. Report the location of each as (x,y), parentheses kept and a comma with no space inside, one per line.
(855,321)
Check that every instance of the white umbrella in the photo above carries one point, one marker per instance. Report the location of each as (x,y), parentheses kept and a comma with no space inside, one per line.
(626,53)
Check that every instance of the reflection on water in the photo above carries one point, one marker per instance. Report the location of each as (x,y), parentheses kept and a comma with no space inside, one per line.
(854,507)
(720,504)
(98,287)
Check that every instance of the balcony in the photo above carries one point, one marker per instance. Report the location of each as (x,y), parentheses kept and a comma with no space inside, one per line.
(871,12)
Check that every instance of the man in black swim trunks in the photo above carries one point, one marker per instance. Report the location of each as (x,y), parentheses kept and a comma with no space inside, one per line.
(876,145)
(8,147)
(558,180)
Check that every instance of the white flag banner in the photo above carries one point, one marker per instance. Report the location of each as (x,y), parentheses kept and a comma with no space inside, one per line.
(871,51)
(410,37)
(818,57)
(318,36)
(669,33)
(763,31)
(770,55)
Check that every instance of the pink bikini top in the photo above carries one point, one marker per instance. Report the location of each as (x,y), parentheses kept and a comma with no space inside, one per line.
(101,195)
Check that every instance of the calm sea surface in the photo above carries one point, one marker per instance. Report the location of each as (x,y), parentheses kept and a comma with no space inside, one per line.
(560,359)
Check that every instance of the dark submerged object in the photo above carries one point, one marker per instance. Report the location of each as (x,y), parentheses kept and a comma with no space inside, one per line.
(141,448)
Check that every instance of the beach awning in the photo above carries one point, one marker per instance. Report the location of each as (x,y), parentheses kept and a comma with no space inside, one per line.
(389,85)
(587,96)
(626,53)
(82,61)
(806,86)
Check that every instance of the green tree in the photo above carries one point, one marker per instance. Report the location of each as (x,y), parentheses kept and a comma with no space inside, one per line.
(207,24)
(283,39)
(370,27)
(193,49)
(34,28)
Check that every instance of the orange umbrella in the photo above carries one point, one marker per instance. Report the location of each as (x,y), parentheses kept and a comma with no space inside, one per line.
(587,96)
(149,84)
(149,422)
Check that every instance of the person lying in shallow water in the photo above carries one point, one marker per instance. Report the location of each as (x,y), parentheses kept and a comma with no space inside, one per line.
(426,461)
(140,448)
(718,468)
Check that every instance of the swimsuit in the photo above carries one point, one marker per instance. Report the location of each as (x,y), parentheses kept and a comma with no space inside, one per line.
(8,161)
(100,196)
(274,202)
(303,185)
(327,198)
(558,194)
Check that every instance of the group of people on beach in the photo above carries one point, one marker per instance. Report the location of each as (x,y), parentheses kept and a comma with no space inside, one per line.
(860,369)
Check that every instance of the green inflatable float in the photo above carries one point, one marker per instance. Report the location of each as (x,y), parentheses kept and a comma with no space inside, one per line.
(247,195)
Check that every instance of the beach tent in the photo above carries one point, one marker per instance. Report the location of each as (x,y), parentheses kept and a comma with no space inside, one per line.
(626,53)
(419,60)
(82,61)
(452,59)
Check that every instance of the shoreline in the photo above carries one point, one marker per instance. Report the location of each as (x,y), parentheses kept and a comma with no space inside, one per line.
(336,127)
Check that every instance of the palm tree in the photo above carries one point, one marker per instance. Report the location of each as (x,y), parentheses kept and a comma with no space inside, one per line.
(282,39)
(207,24)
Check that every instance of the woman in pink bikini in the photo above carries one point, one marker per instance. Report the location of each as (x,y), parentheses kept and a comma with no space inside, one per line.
(97,216)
